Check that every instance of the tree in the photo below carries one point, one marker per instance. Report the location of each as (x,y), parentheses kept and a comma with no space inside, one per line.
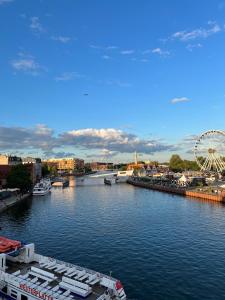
(45,170)
(87,168)
(176,163)
(19,177)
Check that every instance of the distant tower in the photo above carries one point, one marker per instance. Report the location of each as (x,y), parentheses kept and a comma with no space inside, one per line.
(135,158)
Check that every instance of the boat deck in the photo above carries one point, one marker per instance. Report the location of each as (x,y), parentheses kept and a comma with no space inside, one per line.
(23,270)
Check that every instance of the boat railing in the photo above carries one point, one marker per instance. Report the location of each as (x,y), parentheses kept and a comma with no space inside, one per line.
(69,265)
(9,278)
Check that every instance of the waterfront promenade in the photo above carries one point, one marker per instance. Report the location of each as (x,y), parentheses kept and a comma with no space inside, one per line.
(12,200)
(189,192)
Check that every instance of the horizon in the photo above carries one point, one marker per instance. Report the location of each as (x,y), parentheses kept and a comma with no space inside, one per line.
(99,80)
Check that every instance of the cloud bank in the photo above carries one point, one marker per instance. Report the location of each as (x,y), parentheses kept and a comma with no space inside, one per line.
(107,140)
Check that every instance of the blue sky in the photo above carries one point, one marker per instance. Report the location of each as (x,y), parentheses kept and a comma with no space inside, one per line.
(153,72)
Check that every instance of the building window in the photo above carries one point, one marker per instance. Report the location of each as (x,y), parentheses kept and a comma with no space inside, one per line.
(13,294)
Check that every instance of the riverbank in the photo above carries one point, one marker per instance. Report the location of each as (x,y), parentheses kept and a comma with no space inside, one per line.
(12,200)
(219,197)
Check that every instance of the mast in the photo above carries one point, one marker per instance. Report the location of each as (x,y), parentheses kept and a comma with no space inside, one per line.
(135,158)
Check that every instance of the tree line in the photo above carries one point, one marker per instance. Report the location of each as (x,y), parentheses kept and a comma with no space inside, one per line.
(177,164)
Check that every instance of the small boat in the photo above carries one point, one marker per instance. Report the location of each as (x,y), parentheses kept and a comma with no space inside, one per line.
(27,275)
(41,189)
(107,181)
(47,182)
(123,176)
(61,182)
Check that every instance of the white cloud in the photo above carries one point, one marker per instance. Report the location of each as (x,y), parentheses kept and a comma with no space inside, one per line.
(160,52)
(179,100)
(27,64)
(127,52)
(105,48)
(95,46)
(105,140)
(191,47)
(106,57)
(35,25)
(66,76)
(61,39)
(111,47)
(113,140)
(185,36)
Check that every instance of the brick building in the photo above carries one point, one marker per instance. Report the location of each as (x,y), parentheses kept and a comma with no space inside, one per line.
(68,165)
(101,166)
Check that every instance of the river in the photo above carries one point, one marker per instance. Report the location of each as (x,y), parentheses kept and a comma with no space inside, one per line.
(160,246)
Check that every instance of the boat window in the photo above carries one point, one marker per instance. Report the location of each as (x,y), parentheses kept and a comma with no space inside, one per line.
(4,290)
(23,297)
(13,294)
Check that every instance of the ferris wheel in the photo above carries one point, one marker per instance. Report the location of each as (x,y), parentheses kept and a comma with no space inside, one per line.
(210,151)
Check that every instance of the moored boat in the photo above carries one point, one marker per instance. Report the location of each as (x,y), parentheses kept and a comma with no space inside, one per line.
(26,275)
(107,181)
(61,182)
(41,189)
(123,176)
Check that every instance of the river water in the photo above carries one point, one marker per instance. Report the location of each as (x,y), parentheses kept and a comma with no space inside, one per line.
(160,246)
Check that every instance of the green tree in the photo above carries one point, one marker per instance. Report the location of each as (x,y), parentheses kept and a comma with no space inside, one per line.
(87,168)
(53,170)
(176,164)
(45,170)
(190,165)
(123,168)
(19,177)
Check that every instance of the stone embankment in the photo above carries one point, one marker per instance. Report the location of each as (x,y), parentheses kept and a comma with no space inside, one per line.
(220,197)
(12,200)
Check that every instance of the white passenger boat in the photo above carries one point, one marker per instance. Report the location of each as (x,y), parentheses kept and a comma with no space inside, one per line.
(26,275)
(47,182)
(122,176)
(41,188)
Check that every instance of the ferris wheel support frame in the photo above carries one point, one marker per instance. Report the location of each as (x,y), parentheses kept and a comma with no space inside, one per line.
(211,160)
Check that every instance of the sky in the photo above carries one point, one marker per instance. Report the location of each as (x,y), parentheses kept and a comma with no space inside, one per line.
(101,79)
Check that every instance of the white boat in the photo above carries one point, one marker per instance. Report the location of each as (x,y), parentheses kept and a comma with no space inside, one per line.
(122,176)
(41,189)
(61,182)
(47,182)
(26,275)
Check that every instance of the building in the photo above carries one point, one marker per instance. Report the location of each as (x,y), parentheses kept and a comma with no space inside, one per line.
(4,172)
(9,160)
(31,168)
(35,167)
(68,165)
(101,166)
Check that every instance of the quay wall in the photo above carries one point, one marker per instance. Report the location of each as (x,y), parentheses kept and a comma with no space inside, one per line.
(14,199)
(179,191)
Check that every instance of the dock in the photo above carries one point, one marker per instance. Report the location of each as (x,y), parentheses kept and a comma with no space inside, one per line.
(219,197)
